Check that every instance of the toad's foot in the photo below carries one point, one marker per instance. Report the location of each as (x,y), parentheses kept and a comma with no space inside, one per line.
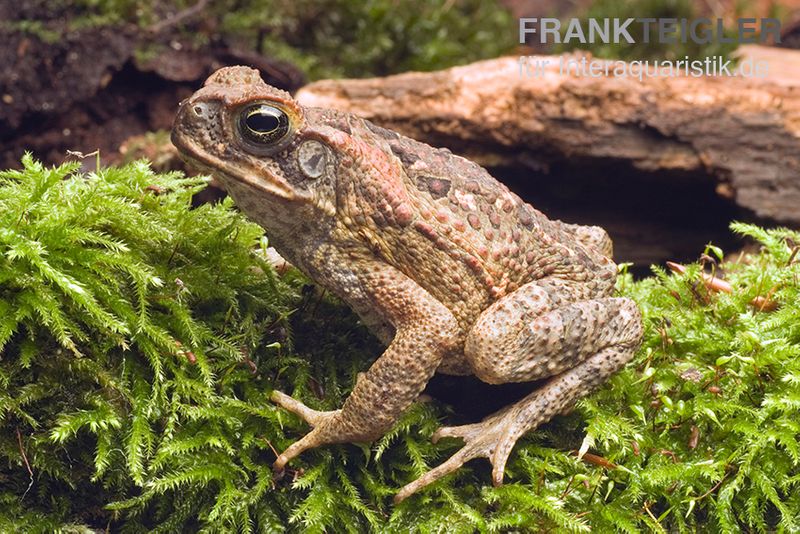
(320,421)
(495,437)
(492,438)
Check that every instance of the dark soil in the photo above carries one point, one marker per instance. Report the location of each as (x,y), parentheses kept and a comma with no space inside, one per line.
(92,88)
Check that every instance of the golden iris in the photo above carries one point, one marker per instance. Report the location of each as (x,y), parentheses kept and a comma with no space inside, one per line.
(263,124)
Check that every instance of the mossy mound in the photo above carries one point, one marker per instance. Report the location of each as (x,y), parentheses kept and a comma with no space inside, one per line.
(141,339)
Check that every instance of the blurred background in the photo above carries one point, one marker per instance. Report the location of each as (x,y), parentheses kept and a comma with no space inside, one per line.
(107,75)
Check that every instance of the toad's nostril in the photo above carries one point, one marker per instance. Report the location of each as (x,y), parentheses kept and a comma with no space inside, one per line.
(198,110)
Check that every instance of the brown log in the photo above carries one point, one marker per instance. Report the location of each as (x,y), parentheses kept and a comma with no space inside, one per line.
(742,133)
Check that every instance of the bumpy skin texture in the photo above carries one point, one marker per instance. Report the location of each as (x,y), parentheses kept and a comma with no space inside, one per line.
(451,270)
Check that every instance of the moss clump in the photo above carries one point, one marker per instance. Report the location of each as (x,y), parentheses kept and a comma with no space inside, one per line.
(141,339)
(128,326)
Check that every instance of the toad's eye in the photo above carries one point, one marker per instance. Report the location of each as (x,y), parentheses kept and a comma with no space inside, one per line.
(263,124)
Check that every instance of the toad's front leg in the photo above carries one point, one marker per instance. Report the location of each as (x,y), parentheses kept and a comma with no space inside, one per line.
(425,332)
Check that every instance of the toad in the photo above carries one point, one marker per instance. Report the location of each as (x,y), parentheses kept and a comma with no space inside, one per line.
(453,272)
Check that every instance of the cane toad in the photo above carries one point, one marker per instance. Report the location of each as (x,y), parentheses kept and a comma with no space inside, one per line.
(452,271)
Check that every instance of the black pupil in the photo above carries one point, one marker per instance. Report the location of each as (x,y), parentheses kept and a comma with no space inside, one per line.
(263,121)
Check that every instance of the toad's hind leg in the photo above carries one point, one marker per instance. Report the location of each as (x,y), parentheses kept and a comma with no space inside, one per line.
(531,334)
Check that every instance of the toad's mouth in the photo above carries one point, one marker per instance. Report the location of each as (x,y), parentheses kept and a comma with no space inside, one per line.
(228,173)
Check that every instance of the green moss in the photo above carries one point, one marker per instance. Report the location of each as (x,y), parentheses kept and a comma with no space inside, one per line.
(335,38)
(35,28)
(141,339)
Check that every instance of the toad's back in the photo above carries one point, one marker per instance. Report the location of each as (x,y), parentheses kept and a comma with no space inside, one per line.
(466,238)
